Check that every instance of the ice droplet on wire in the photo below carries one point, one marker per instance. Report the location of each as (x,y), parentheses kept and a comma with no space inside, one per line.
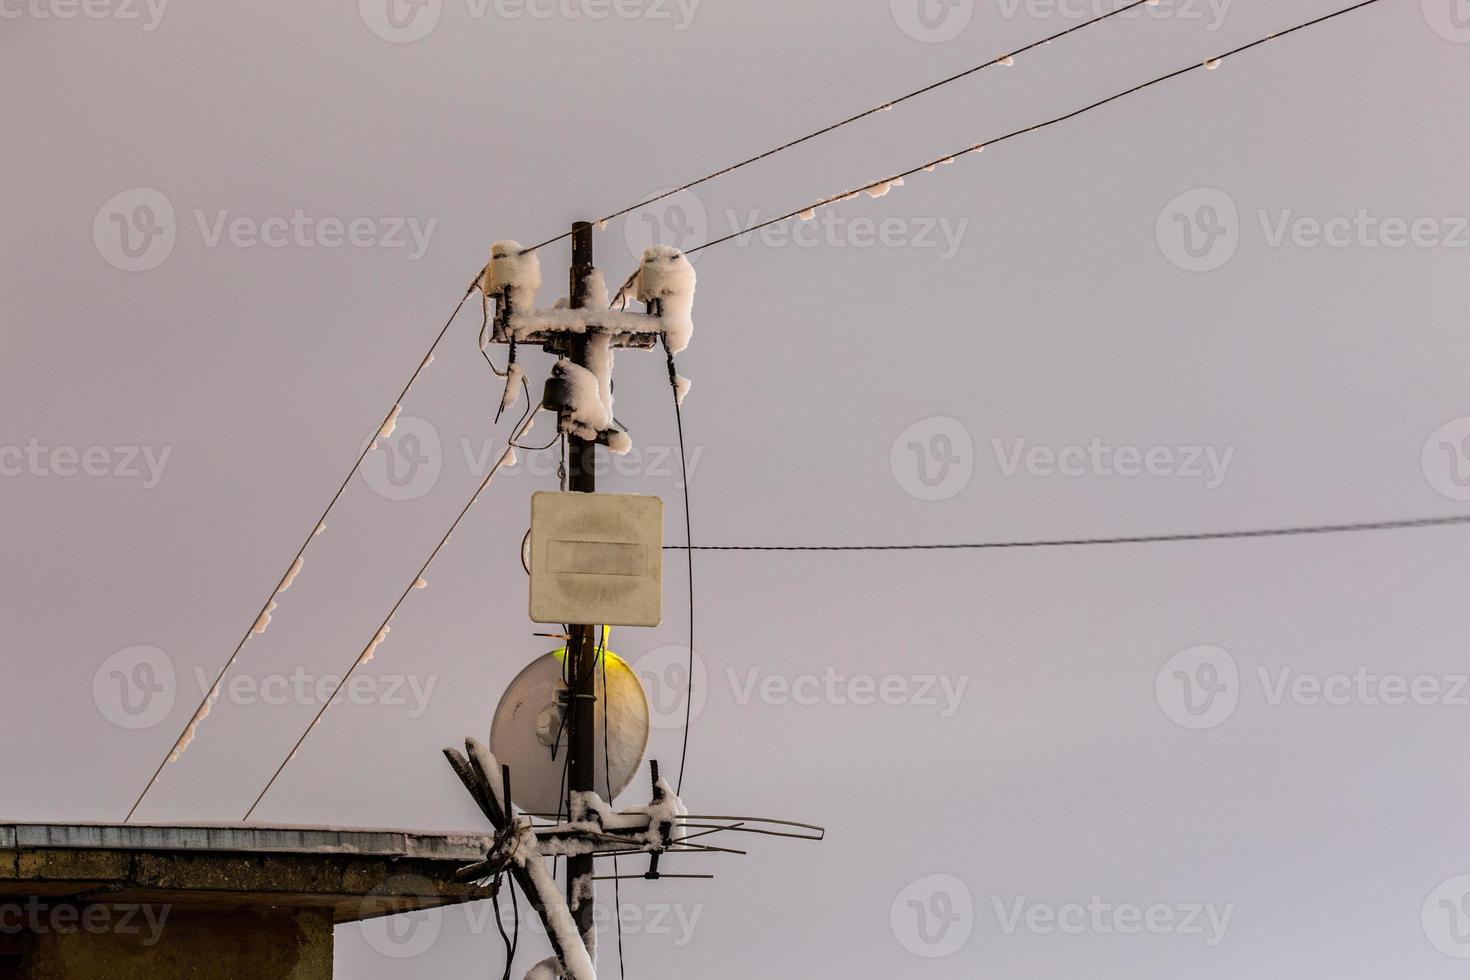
(390,423)
(372,648)
(186,739)
(882,187)
(291,575)
(265,618)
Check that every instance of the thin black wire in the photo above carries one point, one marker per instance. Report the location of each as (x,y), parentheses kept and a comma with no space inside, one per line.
(542,449)
(884,107)
(327,703)
(1283,532)
(484,337)
(881,107)
(607,778)
(315,527)
(510,951)
(1031,129)
(564,792)
(498,373)
(515,909)
(689,549)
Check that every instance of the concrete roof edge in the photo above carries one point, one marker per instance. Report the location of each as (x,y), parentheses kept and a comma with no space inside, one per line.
(241,838)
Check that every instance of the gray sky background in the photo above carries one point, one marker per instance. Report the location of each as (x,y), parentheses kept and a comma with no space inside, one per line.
(1063,314)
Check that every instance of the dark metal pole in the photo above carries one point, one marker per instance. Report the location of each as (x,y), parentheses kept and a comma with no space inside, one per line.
(582,651)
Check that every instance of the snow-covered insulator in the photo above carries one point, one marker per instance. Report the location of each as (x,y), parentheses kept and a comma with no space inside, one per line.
(513,272)
(556,394)
(513,375)
(666,278)
(573,393)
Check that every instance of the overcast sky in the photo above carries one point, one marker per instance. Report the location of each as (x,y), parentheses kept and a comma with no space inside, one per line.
(1234,301)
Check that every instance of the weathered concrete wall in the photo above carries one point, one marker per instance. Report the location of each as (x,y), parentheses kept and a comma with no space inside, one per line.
(250,944)
(107,902)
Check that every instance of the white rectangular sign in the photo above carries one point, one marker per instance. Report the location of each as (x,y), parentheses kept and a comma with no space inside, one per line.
(597,559)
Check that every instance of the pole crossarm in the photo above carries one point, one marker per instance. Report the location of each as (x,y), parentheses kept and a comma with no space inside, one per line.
(553,329)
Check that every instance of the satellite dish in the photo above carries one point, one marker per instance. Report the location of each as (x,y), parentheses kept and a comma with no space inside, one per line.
(528,733)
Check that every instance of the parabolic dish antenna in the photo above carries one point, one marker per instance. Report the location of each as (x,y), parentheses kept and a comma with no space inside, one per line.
(529,736)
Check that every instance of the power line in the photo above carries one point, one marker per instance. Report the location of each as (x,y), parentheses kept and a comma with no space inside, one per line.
(1004,59)
(803,212)
(1283,532)
(291,569)
(413,583)
(1208,65)
(689,537)
(1079,542)
(809,212)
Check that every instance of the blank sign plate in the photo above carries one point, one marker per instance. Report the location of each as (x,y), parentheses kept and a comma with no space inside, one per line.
(597,559)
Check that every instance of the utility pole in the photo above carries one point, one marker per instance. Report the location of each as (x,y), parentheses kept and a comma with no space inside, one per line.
(576,543)
(581,721)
